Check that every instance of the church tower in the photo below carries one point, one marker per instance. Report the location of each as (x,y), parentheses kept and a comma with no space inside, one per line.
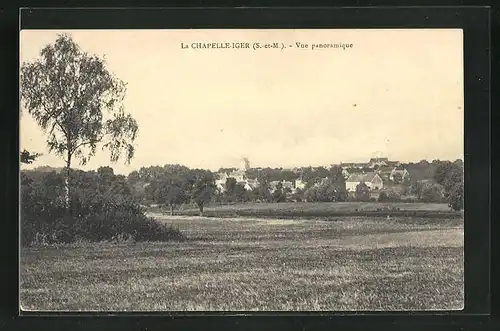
(245,164)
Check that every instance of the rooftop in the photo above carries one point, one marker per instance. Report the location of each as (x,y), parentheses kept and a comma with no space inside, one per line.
(367,177)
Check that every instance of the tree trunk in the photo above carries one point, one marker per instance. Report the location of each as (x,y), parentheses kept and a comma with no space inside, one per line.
(66,182)
(201,209)
(171,210)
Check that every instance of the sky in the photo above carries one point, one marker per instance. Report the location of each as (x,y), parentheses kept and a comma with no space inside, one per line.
(395,93)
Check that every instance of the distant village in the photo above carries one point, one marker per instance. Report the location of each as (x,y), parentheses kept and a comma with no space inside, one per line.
(378,179)
(377,173)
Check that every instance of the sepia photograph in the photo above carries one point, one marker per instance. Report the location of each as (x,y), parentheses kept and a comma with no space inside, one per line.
(241,170)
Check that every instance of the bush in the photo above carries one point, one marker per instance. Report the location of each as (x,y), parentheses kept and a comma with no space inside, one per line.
(94,215)
(383,197)
(389,197)
(393,197)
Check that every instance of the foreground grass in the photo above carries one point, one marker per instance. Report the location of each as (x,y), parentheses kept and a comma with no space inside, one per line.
(252,264)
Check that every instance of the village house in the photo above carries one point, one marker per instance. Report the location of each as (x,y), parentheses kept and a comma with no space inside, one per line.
(251,184)
(385,172)
(353,165)
(371,179)
(298,184)
(399,174)
(346,172)
(378,161)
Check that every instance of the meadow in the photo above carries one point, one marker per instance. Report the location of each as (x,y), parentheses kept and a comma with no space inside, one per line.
(321,209)
(255,264)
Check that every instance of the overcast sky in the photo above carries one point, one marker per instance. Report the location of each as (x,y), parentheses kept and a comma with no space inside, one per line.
(396,93)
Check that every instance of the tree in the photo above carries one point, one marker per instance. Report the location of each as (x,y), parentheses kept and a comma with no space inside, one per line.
(278,194)
(171,193)
(432,193)
(362,192)
(27,157)
(263,192)
(397,178)
(133,177)
(451,176)
(298,195)
(106,176)
(288,175)
(240,193)
(333,188)
(383,197)
(310,195)
(326,191)
(203,188)
(230,187)
(151,173)
(456,197)
(78,103)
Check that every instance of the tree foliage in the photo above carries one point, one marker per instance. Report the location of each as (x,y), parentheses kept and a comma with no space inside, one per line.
(451,176)
(102,208)
(362,192)
(279,194)
(203,188)
(78,103)
(28,157)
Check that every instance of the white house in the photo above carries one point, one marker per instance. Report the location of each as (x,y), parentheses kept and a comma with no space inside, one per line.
(299,184)
(371,179)
(345,165)
(251,184)
(220,182)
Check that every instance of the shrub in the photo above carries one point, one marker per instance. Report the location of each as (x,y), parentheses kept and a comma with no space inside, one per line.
(393,197)
(94,215)
(383,197)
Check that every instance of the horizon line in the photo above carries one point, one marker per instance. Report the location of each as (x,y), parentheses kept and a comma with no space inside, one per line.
(216,169)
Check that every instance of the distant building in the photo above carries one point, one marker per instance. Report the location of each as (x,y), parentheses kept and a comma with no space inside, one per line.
(298,184)
(251,184)
(385,172)
(371,179)
(399,174)
(378,161)
(353,165)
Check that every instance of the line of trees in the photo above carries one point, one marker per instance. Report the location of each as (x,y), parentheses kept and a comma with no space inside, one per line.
(175,185)
(171,185)
(321,185)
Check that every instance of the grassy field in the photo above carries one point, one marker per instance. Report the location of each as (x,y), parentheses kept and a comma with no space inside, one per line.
(322,209)
(334,206)
(353,263)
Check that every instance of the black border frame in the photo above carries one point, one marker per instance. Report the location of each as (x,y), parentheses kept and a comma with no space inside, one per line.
(475,22)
